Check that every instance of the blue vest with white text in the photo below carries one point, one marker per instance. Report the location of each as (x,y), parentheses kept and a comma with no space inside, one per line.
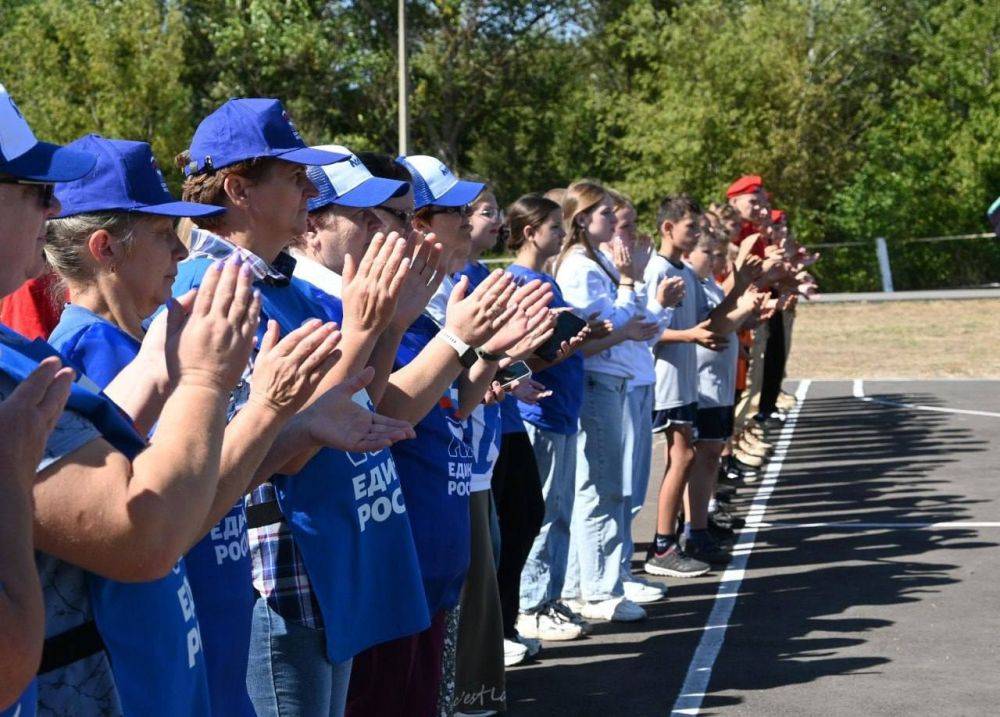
(142,624)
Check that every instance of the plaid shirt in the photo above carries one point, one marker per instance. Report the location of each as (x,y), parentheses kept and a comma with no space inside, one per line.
(279,572)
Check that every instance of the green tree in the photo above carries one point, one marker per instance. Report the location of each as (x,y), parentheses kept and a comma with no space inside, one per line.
(106,66)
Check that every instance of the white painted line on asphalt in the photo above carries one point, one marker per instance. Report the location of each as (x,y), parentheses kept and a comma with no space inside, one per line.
(891,525)
(859,392)
(700,669)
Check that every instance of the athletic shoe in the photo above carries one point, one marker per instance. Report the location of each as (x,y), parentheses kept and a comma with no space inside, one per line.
(641,592)
(477,713)
(724,518)
(746,459)
(753,449)
(786,401)
(675,564)
(613,609)
(707,551)
(547,625)
(751,440)
(560,610)
(725,537)
(514,653)
(534,646)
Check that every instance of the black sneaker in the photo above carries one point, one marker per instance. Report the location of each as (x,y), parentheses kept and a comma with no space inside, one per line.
(706,551)
(724,517)
(675,564)
(726,537)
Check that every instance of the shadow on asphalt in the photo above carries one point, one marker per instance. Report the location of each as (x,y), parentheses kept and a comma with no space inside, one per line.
(848,461)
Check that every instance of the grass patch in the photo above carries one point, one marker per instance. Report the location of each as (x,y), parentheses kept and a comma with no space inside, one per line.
(897,339)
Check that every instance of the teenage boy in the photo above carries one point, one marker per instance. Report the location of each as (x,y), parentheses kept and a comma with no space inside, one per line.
(680,225)
(716,388)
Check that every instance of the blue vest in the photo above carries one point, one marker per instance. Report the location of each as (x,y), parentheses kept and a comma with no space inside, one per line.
(142,624)
(435,469)
(560,412)
(348,517)
(26,704)
(20,356)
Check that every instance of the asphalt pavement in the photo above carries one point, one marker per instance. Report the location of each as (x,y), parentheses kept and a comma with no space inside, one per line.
(870,583)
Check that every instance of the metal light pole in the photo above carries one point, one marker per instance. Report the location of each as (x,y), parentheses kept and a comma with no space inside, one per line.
(404,125)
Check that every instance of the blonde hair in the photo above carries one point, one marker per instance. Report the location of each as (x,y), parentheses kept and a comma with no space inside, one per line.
(66,245)
(581,198)
(619,200)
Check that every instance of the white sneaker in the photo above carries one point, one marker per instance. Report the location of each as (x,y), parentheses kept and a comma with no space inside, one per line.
(514,653)
(641,592)
(614,609)
(561,611)
(543,625)
(534,646)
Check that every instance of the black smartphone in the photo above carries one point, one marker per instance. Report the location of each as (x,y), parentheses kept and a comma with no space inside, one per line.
(517,371)
(568,325)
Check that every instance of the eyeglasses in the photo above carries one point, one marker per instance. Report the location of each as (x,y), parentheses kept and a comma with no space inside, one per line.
(490,213)
(462,211)
(402,217)
(45,191)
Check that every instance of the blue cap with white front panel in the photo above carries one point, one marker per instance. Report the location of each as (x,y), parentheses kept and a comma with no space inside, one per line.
(349,183)
(24,157)
(435,184)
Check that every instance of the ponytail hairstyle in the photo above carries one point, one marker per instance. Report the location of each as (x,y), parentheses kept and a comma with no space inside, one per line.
(580,198)
(531,210)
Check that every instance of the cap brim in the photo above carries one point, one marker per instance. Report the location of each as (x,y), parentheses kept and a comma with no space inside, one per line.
(461,194)
(311,157)
(181,209)
(167,209)
(372,192)
(47,162)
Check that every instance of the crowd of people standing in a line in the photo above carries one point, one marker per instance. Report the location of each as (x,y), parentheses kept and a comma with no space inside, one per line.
(287,446)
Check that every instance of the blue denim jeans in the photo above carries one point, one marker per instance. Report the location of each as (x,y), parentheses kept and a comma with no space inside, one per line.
(637,431)
(593,571)
(545,570)
(288,673)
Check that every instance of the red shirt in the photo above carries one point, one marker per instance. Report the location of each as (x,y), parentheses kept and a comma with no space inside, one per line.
(31,310)
(746,229)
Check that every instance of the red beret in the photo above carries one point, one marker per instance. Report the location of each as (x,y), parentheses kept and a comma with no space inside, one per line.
(747,184)
(777,215)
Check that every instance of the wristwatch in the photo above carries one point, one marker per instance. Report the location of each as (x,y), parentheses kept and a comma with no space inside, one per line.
(467,355)
(487,356)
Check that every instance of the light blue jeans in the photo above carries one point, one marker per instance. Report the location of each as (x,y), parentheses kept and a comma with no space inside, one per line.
(288,674)
(545,570)
(637,437)
(593,571)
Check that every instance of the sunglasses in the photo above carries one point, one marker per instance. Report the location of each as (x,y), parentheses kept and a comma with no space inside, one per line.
(45,191)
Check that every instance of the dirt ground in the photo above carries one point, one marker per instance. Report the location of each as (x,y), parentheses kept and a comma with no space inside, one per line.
(898,339)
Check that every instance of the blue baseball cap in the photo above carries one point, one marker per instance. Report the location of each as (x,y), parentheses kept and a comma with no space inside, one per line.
(24,157)
(126,178)
(435,184)
(245,129)
(349,183)
(994,216)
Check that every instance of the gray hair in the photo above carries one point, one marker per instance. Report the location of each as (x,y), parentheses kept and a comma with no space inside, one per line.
(66,244)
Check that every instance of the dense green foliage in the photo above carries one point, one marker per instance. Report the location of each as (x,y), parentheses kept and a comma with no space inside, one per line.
(866,117)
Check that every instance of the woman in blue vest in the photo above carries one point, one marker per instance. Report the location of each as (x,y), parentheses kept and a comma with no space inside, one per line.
(113,238)
(104,501)
(292,643)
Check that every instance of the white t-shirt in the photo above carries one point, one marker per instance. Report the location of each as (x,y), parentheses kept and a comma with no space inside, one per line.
(587,287)
(716,369)
(676,364)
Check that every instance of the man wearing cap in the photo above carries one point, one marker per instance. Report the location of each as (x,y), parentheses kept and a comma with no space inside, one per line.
(343,551)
